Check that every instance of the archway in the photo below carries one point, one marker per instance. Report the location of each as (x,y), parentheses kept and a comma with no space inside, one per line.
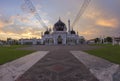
(59,40)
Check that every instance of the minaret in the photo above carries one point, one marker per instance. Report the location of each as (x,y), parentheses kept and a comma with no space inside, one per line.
(77,33)
(41,34)
(69,26)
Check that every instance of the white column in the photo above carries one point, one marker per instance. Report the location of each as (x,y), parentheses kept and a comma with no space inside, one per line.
(113,42)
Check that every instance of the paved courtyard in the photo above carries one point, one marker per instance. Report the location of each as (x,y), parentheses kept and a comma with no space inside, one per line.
(56,47)
(60,63)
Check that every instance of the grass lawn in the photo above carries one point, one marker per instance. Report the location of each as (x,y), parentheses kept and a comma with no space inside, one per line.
(9,53)
(108,52)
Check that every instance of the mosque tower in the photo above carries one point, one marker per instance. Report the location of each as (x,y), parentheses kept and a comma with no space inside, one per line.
(69,26)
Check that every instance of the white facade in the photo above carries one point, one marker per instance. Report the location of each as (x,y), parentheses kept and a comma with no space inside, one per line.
(29,41)
(116,40)
(60,35)
(1,43)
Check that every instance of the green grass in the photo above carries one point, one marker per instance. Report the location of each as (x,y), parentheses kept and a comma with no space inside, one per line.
(108,52)
(9,53)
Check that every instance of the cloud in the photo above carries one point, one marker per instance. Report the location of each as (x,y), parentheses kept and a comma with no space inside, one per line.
(112,23)
(27,33)
(89,33)
(92,14)
(101,18)
(4,21)
(9,34)
(1,24)
(20,27)
(96,22)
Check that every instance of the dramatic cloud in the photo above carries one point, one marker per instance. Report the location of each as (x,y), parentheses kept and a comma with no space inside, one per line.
(112,23)
(96,22)
(20,27)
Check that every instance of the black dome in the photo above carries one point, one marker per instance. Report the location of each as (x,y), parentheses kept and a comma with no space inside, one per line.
(46,32)
(59,23)
(60,26)
(72,32)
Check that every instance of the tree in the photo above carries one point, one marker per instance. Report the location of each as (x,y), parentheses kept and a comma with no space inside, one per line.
(108,39)
(97,40)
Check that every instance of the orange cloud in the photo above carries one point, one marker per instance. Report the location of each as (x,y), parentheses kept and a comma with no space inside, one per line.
(107,23)
(100,18)
(17,36)
(29,30)
(2,24)
(89,32)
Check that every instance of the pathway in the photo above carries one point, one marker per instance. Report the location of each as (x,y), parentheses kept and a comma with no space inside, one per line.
(58,65)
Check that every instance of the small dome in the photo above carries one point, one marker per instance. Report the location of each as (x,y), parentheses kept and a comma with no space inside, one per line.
(60,26)
(72,32)
(47,32)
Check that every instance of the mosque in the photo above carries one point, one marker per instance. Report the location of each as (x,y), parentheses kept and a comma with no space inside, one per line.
(59,35)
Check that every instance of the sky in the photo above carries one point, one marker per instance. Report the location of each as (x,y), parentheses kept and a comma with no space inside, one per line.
(101,18)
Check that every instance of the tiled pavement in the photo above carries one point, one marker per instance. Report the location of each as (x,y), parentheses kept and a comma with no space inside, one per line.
(58,65)
(12,70)
(100,68)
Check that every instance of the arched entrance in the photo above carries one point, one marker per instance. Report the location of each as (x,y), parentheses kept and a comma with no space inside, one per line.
(59,40)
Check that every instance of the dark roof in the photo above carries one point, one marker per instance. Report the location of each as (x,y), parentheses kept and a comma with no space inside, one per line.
(47,32)
(59,26)
(59,23)
(72,32)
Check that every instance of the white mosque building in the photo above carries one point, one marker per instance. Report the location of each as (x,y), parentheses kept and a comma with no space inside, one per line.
(58,36)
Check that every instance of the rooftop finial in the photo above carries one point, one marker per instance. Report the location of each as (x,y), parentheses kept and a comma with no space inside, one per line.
(59,18)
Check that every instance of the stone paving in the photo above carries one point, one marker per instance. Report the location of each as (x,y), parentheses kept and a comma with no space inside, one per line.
(102,69)
(12,70)
(58,65)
